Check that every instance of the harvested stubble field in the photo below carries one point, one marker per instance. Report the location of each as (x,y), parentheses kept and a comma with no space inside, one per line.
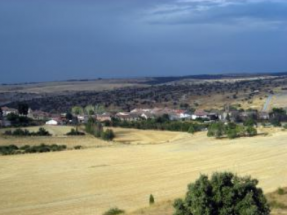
(88,182)
(124,136)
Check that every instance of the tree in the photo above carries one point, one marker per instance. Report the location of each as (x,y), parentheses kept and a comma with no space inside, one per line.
(216,130)
(90,110)
(251,131)
(225,194)
(151,199)
(250,122)
(23,108)
(69,116)
(191,129)
(1,112)
(108,135)
(77,110)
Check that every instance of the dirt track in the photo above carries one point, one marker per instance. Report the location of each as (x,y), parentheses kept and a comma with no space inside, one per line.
(91,181)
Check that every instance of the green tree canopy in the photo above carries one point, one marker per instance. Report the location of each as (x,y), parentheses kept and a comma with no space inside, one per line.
(77,110)
(223,194)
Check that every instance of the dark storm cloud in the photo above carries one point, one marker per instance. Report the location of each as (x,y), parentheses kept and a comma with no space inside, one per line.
(52,40)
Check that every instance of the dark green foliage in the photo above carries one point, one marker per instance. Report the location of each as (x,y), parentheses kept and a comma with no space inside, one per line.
(18,121)
(108,135)
(192,129)
(8,150)
(25,132)
(151,199)
(114,211)
(251,131)
(69,116)
(216,130)
(96,129)
(12,149)
(23,108)
(250,122)
(223,194)
(78,147)
(158,124)
(75,132)
(42,132)
(277,116)
(275,122)
(230,130)
(280,191)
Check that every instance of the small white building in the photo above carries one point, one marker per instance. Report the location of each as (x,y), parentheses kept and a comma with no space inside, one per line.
(52,122)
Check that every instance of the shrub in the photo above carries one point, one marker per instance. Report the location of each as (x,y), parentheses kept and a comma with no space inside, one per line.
(77,147)
(251,131)
(224,193)
(75,132)
(12,149)
(25,132)
(191,129)
(151,199)
(108,135)
(280,191)
(114,211)
(216,130)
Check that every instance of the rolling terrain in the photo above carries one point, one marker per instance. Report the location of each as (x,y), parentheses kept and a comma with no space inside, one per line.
(93,180)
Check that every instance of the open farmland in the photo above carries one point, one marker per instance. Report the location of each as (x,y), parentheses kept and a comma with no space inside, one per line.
(124,136)
(94,180)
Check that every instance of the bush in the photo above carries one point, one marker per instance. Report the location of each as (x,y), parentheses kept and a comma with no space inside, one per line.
(251,131)
(25,132)
(114,211)
(224,193)
(108,135)
(216,130)
(75,132)
(78,147)
(280,191)
(12,149)
(151,199)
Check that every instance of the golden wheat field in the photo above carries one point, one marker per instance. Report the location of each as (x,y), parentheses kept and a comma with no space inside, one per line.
(124,136)
(90,181)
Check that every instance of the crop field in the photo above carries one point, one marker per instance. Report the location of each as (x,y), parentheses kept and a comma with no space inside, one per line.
(89,182)
(124,136)
(134,136)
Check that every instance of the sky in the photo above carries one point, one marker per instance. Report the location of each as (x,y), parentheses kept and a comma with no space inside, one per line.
(47,40)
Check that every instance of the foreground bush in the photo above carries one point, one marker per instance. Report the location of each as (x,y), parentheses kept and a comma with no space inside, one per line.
(12,149)
(114,211)
(224,194)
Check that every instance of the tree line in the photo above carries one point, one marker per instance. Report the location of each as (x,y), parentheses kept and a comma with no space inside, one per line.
(162,123)
(25,132)
(13,149)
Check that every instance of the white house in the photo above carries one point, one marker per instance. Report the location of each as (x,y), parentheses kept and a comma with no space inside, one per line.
(52,122)
(7,111)
(199,114)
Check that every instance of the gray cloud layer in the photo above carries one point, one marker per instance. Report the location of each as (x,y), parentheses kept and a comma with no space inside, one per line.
(52,40)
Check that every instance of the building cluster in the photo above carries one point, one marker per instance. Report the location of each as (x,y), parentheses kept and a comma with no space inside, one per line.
(139,114)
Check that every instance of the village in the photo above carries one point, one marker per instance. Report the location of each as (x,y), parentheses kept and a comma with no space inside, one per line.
(137,114)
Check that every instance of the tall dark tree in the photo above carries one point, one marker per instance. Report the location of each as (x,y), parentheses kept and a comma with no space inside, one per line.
(1,112)
(224,193)
(23,108)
